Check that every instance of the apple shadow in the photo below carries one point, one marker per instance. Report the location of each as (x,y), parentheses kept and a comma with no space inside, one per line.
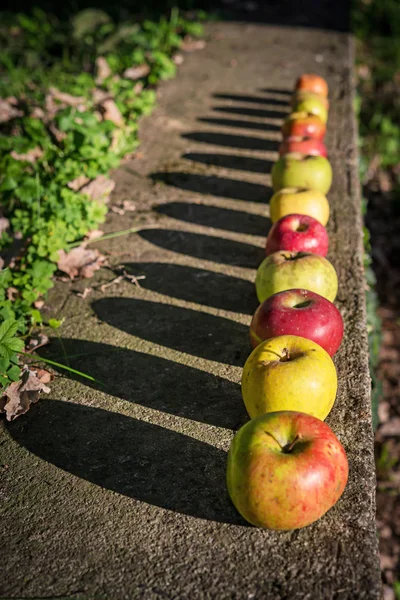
(216,217)
(243,142)
(232,161)
(255,112)
(198,245)
(183,329)
(145,462)
(151,381)
(251,99)
(197,285)
(257,125)
(211,185)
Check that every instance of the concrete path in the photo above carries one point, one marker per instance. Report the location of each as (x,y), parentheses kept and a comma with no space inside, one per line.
(118,491)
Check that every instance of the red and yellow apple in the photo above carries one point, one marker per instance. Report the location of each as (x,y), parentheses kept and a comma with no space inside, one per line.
(289,372)
(313,105)
(309,146)
(302,124)
(312,83)
(295,200)
(301,95)
(300,170)
(298,312)
(285,470)
(286,270)
(298,233)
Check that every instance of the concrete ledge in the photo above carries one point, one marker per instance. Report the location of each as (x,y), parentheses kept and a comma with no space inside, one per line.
(119,492)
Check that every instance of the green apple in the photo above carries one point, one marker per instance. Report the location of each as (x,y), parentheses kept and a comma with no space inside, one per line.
(311,104)
(284,270)
(289,372)
(285,470)
(302,171)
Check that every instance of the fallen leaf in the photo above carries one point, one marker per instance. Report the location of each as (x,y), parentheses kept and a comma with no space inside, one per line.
(8,110)
(95,233)
(112,112)
(4,225)
(103,69)
(99,189)
(1,263)
(68,99)
(129,205)
(12,294)
(80,262)
(98,95)
(85,293)
(36,341)
(38,304)
(31,156)
(38,113)
(178,59)
(21,394)
(79,182)
(191,45)
(117,210)
(134,73)
(59,135)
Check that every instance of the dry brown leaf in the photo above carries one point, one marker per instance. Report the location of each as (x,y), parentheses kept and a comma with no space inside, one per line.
(21,394)
(31,156)
(178,59)
(191,45)
(59,135)
(79,182)
(38,113)
(12,294)
(134,73)
(95,233)
(129,205)
(85,293)
(98,95)
(99,189)
(112,112)
(80,262)
(8,110)
(4,225)
(36,341)
(1,263)
(103,69)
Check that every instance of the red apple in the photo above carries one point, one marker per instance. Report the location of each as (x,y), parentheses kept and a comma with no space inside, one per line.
(285,470)
(298,312)
(312,83)
(309,146)
(302,124)
(298,233)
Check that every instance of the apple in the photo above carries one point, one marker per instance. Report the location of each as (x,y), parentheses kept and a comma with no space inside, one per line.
(312,83)
(298,233)
(311,104)
(289,372)
(300,170)
(298,312)
(302,124)
(301,95)
(299,201)
(285,470)
(286,270)
(304,145)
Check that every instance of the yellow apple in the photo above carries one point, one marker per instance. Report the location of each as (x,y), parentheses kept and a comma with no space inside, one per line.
(299,201)
(289,372)
(286,270)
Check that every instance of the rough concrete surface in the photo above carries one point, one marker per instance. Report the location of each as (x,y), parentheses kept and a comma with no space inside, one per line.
(118,490)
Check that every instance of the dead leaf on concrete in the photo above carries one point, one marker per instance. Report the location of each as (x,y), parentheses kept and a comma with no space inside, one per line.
(85,293)
(36,341)
(92,235)
(8,110)
(21,394)
(103,69)
(80,262)
(12,294)
(178,59)
(31,156)
(112,112)
(191,45)
(99,189)
(134,73)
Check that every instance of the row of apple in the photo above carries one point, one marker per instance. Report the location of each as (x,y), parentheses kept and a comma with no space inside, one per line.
(286,468)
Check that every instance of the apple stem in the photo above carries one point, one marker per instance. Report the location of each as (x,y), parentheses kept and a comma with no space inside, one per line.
(288,448)
(286,355)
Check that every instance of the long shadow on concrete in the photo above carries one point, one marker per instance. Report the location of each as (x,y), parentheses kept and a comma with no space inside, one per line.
(151,381)
(231,161)
(212,185)
(197,285)
(254,112)
(190,331)
(214,216)
(207,247)
(265,127)
(243,142)
(134,458)
(251,99)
